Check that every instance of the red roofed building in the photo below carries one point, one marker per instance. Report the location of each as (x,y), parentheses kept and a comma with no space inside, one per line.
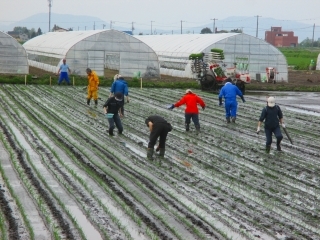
(279,38)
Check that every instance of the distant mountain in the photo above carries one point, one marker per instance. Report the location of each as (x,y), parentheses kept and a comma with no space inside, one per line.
(247,24)
(76,22)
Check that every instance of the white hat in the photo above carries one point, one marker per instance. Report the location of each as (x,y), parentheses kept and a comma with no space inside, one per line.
(188,91)
(271,101)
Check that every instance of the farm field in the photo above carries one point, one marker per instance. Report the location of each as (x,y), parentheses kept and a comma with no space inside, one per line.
(63,177)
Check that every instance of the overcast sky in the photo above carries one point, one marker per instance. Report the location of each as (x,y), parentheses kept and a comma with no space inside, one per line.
(165,13)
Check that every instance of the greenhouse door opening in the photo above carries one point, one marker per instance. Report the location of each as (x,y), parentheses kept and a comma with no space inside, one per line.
(96,61)
(112,62)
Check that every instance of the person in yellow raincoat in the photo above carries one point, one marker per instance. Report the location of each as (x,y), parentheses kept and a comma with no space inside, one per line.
(93,86)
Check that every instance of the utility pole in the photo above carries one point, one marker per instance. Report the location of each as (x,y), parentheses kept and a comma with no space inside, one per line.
(85,27)
(314,26)
(151,26)
(181,26)
(49,1)
(257,25)
(94,25)
(214,25)
(132,27)
(103,26)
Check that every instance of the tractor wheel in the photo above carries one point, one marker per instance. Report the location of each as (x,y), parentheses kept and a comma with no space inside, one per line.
(208,83)
(241,85)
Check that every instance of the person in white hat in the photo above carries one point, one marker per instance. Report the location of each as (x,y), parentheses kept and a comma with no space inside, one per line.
(191,112)
(120,85)
(230,93)
(272,116)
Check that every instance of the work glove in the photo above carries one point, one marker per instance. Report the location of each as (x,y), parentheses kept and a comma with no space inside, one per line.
(171,107)
(203,108)
(284,126)
(243,99)
(258,130)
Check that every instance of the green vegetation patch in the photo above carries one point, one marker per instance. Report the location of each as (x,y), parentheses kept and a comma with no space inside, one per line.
(300,58)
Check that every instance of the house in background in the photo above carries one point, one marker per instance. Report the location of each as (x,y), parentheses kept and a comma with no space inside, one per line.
(20,37)
(279,38)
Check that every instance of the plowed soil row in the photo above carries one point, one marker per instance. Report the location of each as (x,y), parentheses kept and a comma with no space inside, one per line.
(218,184)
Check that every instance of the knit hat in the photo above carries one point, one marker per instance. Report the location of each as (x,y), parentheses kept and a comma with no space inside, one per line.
(271,101)
(118,96)
(188,91)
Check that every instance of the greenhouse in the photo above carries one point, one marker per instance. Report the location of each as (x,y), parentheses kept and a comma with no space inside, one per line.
(100,50)
(249,54)
(13,57)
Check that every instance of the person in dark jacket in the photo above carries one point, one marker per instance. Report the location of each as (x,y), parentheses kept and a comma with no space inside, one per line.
(191,100)
(112,110)
(272,115)
(120,85)
(230,92)
(159,128)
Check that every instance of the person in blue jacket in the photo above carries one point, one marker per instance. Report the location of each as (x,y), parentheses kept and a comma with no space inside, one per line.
(63,71)
(230,92)
(120,85)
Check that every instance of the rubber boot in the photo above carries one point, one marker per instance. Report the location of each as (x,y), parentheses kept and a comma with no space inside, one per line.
(158,149)
(162,151)
(228,120)
(111,132)
(197,128)
(150,153)
(268,147)
(88,102)
(233,119)
(278,147)
(96,103)
(187,127)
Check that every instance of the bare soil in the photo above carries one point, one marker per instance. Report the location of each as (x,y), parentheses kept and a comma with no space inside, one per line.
(296,77)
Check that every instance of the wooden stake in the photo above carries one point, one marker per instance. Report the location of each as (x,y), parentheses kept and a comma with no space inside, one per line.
(25,79)
(73,81)
(50,80)
(140,83)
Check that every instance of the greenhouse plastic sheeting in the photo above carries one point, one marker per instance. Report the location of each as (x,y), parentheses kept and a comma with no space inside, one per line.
(96,49)
(13,57)
(253,55)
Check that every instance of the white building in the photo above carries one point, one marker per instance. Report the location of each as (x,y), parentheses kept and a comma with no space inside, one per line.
(96,49)
(255,54)
(13,57)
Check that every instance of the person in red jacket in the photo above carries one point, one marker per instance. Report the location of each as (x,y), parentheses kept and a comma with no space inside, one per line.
(191,112)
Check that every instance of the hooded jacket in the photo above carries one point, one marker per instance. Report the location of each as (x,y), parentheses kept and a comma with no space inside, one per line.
(120,85)
(191,100)
(93,81)
(230,92)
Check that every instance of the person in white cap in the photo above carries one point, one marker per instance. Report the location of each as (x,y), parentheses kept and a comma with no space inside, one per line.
(230,93)
(272,116)
(191,112)
(120,85)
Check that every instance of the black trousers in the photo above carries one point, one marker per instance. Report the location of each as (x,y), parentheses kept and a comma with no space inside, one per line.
(158,130)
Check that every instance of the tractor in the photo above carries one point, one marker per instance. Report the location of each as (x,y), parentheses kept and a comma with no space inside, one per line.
(210,74)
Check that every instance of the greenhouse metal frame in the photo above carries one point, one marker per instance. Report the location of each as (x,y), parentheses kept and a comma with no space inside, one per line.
(250,54)
(95,49)
(13,57)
